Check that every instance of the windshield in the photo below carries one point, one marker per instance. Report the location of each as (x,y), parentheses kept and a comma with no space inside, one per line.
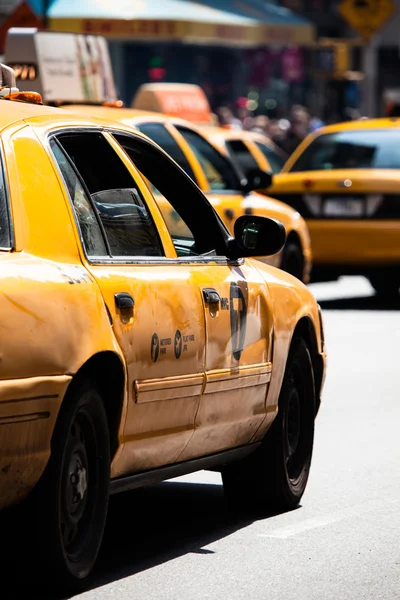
(368,149)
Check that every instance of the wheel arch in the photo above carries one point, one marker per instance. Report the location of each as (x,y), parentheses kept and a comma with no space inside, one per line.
(107,372)
(305,329)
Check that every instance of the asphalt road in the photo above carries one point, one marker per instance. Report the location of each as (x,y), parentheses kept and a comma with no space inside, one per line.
(179,541)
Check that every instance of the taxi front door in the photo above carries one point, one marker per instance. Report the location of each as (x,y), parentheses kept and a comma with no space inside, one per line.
(238,368)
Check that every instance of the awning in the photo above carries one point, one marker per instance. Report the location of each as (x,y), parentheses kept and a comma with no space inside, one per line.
(276,24)
(221,22)
(161,20)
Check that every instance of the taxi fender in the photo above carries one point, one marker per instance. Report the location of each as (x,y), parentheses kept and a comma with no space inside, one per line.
(292,303)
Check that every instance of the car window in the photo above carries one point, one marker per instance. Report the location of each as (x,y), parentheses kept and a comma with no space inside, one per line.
(88,220)
(239,152)
(125,219)
(5,232)
(368,149)
(162,137)
(195,228)
(275,161)
(219,171)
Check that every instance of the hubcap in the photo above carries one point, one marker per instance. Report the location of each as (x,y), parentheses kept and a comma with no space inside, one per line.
(76,478)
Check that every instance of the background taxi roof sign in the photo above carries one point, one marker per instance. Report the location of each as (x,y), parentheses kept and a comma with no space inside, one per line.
(61,67)
(183,100)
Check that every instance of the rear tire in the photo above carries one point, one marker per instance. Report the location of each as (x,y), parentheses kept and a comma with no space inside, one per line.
(276,475)
(293,259)
(71,500)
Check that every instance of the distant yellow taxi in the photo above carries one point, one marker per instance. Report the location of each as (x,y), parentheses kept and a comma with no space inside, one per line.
(345,180)
(249,149)
(130,355)
(229,192)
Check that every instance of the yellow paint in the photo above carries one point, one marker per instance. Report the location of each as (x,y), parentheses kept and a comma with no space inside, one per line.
(204,389)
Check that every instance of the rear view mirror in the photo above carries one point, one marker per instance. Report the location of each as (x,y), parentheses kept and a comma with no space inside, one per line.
(259,236)
(257,179)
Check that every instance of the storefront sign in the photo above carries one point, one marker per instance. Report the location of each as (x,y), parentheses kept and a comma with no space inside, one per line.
(293,65)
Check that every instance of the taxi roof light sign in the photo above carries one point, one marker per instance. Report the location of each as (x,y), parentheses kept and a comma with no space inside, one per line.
(61,67)
(183,100)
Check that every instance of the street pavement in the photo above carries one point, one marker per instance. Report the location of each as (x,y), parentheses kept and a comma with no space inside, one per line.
(180,541)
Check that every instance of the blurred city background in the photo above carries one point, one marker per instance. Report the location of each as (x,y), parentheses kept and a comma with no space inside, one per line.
(260,62)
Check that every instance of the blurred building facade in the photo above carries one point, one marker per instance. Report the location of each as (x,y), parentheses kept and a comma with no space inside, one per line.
(274,52)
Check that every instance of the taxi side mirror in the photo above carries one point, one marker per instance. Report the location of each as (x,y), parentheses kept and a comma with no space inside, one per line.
(258,236)
(257,179)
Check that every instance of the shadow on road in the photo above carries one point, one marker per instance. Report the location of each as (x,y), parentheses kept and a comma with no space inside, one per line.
(366,303)
(148,527)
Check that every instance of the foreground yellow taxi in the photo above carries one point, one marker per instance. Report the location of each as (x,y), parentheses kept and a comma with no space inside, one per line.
(345,181)
(130,355)
(228,191)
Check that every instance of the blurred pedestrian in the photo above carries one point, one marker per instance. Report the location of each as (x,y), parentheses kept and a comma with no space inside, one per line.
(227,118)
(298,130)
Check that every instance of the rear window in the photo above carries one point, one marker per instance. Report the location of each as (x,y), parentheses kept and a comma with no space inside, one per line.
(368,149)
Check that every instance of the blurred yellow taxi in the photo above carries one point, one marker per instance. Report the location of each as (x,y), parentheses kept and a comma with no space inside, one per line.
(345,180)
(249,149)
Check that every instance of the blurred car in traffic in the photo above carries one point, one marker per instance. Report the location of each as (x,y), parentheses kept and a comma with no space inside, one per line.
(345,181)
(249,149)
(230,193)
(131,354)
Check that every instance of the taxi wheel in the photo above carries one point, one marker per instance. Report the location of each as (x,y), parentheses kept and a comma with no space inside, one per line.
(386,285)
(276,475)
(71,500)
(293,260)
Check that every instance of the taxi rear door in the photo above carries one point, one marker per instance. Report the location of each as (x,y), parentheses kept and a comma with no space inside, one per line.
(153,302)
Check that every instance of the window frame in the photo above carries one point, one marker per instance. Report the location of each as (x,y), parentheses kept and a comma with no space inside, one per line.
(163,126)
(11,232)
(228,161)
(199,260)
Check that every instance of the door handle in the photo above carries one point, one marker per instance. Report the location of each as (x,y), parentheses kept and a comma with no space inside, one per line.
(123,300)
(211,296)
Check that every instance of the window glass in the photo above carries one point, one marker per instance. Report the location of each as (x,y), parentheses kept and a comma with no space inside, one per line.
(127,223)
(239,152)
(368,149)
(162,137)
(5,234)
(219,172)
(275,161)
(193,225)
(182,236)
(88,222)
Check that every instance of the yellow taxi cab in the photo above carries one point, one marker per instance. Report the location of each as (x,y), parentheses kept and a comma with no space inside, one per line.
(230,193)
(130,355)
(344,179)
(250,149)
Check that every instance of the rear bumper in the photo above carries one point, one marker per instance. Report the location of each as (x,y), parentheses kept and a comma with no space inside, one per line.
(28,412)
(357,245)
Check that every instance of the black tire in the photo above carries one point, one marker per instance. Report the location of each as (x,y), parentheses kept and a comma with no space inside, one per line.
(71,500)
(275,476)
(386,285)
(293,259)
